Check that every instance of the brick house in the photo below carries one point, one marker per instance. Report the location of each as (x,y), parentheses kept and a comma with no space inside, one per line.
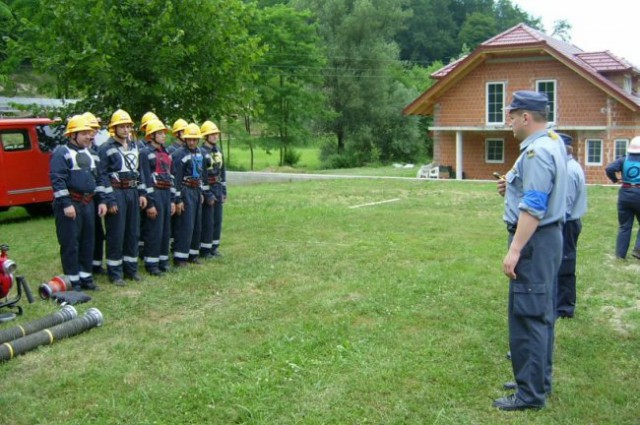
(593,97)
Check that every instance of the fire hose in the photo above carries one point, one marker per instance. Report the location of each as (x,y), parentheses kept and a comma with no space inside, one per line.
(92,318)
(64,315)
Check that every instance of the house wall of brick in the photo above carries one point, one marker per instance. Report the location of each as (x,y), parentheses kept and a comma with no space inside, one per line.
(578,103)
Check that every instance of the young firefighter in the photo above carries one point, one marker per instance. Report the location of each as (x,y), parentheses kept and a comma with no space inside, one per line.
(189,174)
(98,243)
(125,196)
(212,214)
(73,174)
(177,131)
(141,143)
(155,165)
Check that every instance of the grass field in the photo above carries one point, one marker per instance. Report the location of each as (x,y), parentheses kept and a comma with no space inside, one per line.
(328,309)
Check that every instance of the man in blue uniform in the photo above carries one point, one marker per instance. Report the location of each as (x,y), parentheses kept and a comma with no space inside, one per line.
(535,207)
(189,174)
(155,165)
(576,208)
(74,179)
(125,196)
(628,197)
(212,213)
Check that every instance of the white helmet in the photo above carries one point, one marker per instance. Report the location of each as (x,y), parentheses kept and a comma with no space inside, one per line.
(634,146)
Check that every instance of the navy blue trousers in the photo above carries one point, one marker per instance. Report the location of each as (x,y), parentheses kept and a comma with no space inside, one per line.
(532,314)
(156,232)
(628,209)
(76,239)
(566,300)
(122,231)
(186,239)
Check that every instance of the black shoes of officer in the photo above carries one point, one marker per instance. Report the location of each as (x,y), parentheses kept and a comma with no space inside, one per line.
(135,277)
(155,272)
(636,253)
(180,263)
(216,253)
(97,270)
(512,403)
(89,286)
(117,281)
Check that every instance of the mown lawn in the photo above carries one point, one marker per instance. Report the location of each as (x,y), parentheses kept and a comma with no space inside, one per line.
(328,308)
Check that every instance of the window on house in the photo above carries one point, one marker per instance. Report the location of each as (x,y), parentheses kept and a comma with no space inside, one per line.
(620,148)
(594,152)
(495,103)
(494,151)
(548,87)
(628,84)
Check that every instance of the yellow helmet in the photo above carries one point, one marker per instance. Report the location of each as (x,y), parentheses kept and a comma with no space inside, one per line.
(192,132)
(120,117)
(154,126)
(77,123)
(179,125)
(209,127)
(146,118)
(93,121)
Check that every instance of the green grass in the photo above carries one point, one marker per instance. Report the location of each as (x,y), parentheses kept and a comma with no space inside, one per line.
(321,313)
(239,158)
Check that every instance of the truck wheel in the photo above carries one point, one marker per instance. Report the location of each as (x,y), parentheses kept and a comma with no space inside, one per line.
(39,210)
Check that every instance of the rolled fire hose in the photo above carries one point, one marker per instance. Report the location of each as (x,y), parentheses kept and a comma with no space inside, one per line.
(65,314)
(91,318)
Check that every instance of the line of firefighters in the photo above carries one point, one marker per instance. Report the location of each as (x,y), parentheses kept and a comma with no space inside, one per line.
(148,194)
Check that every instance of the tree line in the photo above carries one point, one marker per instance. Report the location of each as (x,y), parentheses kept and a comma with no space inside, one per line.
(287,71)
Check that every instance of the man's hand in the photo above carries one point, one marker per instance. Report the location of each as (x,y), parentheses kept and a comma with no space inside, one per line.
(143,202)
(509,263)
(501,186)
(173,208)
(179,208)
(102,210)
(152,213)
(113,210)
(70,212)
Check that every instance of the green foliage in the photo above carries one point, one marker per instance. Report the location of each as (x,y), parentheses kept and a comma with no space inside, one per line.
(477,28)
(160,55)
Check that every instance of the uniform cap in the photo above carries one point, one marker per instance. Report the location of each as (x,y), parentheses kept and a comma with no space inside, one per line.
(568,140)
(529,101)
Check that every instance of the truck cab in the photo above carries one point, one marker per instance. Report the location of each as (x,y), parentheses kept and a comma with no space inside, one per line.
(26,145)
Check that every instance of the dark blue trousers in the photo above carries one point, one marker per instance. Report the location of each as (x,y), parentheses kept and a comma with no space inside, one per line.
(98,246)
(532,314)
(217,221)
(156,232)
(122,231)
(628,209)
(76,239)
(186,240)
(566,300)
(206,240)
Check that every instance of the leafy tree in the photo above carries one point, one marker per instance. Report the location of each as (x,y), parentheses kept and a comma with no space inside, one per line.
(477,28)
(290,77)
(562,30)
(185,59)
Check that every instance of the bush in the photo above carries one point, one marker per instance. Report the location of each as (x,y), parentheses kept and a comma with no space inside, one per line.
(291,157)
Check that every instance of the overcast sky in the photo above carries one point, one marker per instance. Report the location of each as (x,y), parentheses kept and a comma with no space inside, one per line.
(596,26)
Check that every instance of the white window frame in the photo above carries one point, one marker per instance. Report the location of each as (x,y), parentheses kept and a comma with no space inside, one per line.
(486,151)
(628,84)
(553,110)
(587,145)
(616,142)
(501,115)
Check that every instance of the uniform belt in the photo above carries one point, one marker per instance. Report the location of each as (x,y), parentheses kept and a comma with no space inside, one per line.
(193,183)
(213,180)
(162,184)
(124,183)
(85,198)
(511,228)
(630,185)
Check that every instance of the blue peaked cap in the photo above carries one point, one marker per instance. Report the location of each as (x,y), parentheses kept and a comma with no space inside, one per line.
(529,100)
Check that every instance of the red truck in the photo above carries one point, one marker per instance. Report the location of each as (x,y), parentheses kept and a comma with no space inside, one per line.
(25,147)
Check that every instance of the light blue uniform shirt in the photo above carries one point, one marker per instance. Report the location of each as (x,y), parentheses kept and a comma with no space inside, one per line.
(576,190)
(537,183)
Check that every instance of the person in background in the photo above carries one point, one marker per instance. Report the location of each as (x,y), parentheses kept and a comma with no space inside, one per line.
(98,247)
(177,131)
(628,167)
(576,208)
(141,143)
(189,174)
(212,214)
(155,166)
(125,196)
(535,208)
(74,179)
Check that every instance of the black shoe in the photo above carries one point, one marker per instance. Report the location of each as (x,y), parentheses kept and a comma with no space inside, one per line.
(510,386)
(89,286)
(636,253)
(180,264)
(77,288)
(207,256)
(117,281)
(135,277)
(508,355)
(216,253)
(512,403)
(97,270)
(194,260)
(155,272)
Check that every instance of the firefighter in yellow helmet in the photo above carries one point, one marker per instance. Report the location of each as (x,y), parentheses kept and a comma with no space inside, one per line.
(146,118)
(126,195)
(155,164)
(98,248)
(212,214)
(176,131)
(73,178)
(190,179)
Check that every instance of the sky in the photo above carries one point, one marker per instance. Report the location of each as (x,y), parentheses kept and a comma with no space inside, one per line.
(596,26)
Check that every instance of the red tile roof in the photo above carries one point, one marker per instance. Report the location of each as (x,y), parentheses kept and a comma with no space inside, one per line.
(605,61)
